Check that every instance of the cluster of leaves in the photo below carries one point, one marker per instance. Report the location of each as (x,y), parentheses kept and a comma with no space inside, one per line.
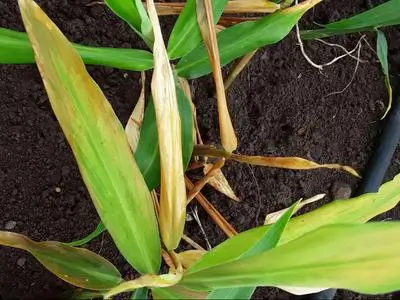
(328,247)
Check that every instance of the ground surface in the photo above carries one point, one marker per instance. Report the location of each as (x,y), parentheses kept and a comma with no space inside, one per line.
(278,107)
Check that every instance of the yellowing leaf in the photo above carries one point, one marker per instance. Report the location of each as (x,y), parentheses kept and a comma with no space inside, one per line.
(253,6)
(98,142)
(273,217)
(151,281)
(363,258)
(294,163)
(79,267)
(132,128)
(205,20)
(173,193)
(188,258)
(220,183)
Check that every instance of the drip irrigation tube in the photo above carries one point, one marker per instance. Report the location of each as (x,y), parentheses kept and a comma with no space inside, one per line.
(376,169)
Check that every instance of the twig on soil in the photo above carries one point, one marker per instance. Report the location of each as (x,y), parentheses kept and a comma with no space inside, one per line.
(202,182)
(192,243)
(238,68)
(214,214)
(197,218)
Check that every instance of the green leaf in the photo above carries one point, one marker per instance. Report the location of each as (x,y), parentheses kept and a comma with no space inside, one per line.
(147,153)
(386,14)
(99,230)
(134,13)
(140,294)
(351,211)
(15,48)
(98,142)
(186,35)
(363,258)
(266,242)
(382,53)
(249,35)
(76,266)
(176,292)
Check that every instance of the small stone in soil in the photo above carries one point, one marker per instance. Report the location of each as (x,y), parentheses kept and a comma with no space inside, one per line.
(58,190)
(10,225)
(341,190)
(21,261)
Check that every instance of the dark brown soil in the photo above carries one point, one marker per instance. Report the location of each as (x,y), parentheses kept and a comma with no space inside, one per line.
(278,105)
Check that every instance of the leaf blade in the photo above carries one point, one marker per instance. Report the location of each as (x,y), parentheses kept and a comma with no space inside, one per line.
(79,267)
(382,53)
(133,13)
(15,48)
(186,35)
(95,135)
(362,258)
(172,211)
(249,35)
(265,243)
(382,15)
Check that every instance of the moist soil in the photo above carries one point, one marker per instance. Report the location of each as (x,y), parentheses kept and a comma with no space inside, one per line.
(279,106)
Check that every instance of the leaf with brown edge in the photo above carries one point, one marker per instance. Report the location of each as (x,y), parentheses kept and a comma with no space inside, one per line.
(293,163)
(98,141)
(220,183)
(205,20)
(77,266)
(173,195)
(132,128)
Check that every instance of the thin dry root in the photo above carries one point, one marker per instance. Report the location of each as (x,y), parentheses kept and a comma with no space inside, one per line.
(197,218)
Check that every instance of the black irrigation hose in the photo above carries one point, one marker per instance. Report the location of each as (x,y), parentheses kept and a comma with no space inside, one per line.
(376,170)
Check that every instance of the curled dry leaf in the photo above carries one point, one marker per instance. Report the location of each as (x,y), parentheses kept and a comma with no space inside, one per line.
(205,20)
(132,128)
(273,217)
(173,195)
(219,182)
(293,163)
(212,212)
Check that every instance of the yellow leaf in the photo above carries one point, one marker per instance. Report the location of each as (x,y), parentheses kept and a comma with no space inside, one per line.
(206,24)
(173,194)
(220,183)
(273,217)
(188,258)
(132,128)
(150,281)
